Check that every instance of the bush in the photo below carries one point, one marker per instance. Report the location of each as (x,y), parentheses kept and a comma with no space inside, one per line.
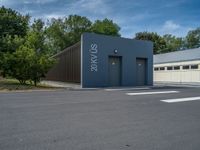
(25,64)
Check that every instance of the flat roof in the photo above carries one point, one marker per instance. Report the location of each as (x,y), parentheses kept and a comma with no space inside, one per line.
(177,56)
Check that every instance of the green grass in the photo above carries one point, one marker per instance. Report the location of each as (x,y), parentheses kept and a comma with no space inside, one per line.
(13,85)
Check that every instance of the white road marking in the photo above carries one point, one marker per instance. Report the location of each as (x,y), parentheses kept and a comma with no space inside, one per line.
(127,89)
(150,93)
(181,99)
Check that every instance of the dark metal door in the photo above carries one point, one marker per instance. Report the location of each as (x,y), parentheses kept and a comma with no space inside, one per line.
(141,71)
(114,71)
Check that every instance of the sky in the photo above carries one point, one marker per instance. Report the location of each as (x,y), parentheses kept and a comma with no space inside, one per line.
(175,17)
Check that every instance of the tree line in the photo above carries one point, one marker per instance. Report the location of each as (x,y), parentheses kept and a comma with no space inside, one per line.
(26,47)
(169,42)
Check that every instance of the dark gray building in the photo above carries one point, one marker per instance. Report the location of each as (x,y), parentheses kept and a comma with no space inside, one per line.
(103,61)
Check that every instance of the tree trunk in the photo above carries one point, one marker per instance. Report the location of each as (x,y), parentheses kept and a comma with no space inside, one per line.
(35,82)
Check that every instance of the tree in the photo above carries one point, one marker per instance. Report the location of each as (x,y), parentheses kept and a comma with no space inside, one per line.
(193,38)
(36,37)
(41,61)
(30,61)
(173,43)
(62,33)
(76,25)
(24,64)
(106,26)
(13,27)
(10,45)
(12,24)
(40,66)
(159,44)
(17,64)
(56,37)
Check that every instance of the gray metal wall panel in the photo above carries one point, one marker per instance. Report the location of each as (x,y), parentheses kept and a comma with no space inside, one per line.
(68,65)
(128,49)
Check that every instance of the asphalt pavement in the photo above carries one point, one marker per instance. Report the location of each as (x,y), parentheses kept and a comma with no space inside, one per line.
(102,119)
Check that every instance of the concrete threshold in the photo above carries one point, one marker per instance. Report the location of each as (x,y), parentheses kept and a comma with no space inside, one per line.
(177,84)
(59,84)
(75,86)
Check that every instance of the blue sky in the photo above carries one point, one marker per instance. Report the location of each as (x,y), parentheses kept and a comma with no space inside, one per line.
(175,17)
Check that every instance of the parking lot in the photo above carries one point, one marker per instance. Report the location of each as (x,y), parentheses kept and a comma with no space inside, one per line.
(165,118)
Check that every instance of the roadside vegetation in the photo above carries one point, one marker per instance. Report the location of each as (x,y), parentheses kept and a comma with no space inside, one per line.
(26,46)
(14,85)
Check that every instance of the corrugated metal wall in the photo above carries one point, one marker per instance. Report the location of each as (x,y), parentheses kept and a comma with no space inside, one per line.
(68,67)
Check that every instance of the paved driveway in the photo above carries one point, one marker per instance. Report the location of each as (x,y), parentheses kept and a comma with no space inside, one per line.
(100,120)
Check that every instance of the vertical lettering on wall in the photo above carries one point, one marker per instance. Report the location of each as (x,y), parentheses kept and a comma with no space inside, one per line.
(93,57)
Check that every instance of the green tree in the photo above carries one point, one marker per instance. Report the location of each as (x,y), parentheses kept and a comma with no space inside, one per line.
(159,44)
(62,33)
(13,27)
(17,64)
(56,35)
(36,37)
(193,38)
(41,61)
(24,64)
(173,43)
(40,66)
(31,60)
(106,26)
(12,24)
(10,44)
(76,25)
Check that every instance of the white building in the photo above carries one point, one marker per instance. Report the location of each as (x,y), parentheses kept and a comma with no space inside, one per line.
(178,67)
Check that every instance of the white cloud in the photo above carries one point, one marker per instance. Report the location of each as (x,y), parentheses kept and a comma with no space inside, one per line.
(21,2)
(97,7)
(169,26)
(7,2)
(50,16)
(93,9)
(38,1)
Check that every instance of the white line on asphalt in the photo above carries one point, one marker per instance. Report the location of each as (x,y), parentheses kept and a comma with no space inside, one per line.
(180,99)
(150,93)
(127,89)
